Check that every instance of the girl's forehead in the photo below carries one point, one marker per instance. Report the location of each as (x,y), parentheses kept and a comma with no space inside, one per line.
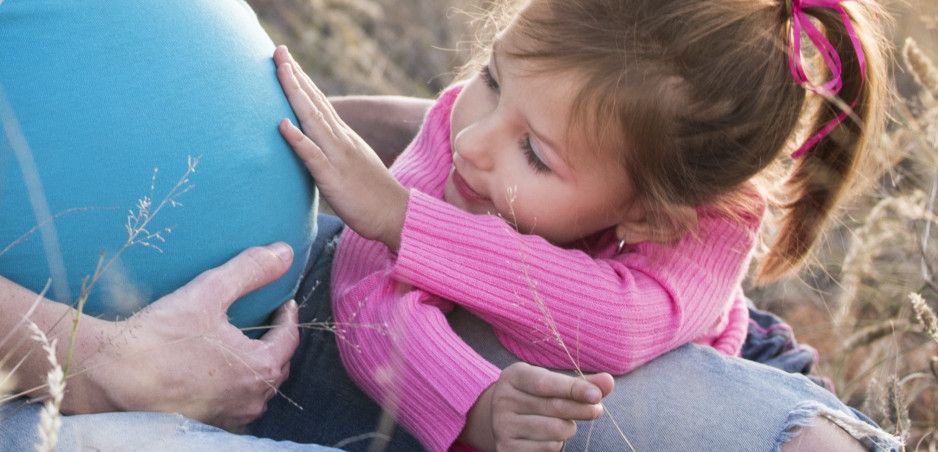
(584,133)
(587,135)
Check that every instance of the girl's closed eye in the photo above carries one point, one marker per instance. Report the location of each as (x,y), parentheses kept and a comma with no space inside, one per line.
(534,159)
(486,74)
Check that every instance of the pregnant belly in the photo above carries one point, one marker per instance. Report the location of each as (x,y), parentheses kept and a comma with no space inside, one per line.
(143,136)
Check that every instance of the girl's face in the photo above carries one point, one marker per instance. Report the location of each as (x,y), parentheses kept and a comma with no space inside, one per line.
(513,155)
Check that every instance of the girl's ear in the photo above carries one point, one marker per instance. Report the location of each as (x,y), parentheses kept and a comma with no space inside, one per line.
(635,231)
(638,229)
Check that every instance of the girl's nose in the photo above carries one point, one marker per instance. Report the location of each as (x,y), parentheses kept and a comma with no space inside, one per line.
(475,144)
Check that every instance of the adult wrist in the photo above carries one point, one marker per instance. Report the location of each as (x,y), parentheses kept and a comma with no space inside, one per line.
(89,387)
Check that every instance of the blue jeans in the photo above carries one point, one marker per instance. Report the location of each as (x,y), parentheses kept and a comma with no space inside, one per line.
(689,399)
(134,431)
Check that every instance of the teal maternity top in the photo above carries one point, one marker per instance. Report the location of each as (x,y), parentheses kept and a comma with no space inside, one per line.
(148,126)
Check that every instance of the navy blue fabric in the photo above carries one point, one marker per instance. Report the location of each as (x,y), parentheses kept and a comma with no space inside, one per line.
(319,403)
(772,342)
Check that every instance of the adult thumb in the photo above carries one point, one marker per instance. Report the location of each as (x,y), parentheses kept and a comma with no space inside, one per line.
(250,270)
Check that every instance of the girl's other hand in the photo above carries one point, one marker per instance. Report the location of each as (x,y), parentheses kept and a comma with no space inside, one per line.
(531,408)
(349,174)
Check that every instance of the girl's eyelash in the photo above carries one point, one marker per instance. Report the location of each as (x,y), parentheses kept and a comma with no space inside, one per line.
(536,163)
(486,74)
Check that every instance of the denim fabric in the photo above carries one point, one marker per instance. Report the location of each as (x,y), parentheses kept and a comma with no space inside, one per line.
(136,432)
(694,398)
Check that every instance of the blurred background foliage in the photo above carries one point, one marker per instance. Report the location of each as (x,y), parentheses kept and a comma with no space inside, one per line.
(407,47)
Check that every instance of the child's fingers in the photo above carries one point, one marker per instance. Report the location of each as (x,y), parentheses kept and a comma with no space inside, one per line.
(314,93)
(546,393)
(304,79)
(311,154)
(603,381)
(317,116)
(307,110)
(541,382)
(561,408)
(522,445)
(534,433)
(542,428)
(282,56)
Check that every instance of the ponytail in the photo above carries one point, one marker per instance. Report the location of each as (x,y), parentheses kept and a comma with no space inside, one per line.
(846,114)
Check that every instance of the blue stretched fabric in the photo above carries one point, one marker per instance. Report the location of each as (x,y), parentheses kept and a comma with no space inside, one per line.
(102,104)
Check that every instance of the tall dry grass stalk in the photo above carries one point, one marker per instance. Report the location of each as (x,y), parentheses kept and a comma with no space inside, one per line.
(50,418)
(925,315)
(921,67)
(873,237)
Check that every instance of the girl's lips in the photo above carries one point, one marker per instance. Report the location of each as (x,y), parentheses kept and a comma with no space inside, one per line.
(465,190)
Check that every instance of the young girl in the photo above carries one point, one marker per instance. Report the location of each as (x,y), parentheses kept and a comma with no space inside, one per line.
(593,192)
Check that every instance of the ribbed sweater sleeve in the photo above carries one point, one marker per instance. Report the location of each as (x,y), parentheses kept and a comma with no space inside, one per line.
(560,307)
(394,339)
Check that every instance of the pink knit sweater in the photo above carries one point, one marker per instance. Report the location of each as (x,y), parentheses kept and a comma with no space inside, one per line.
(583,305)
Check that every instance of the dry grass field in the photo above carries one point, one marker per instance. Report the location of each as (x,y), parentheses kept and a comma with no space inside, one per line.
(853,302)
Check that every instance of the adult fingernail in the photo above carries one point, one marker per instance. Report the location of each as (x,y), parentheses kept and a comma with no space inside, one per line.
(282,250)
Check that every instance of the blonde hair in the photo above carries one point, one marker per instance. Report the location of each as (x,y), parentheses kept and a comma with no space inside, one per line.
(702,96)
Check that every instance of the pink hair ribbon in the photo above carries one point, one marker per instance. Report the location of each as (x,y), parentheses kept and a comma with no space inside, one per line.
(801,23)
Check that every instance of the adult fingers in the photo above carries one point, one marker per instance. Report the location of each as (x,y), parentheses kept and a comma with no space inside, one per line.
(283,338)
(250,270)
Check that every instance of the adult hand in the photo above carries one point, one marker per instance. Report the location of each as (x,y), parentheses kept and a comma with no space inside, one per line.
(531,408)
(349,174)
(181,354)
